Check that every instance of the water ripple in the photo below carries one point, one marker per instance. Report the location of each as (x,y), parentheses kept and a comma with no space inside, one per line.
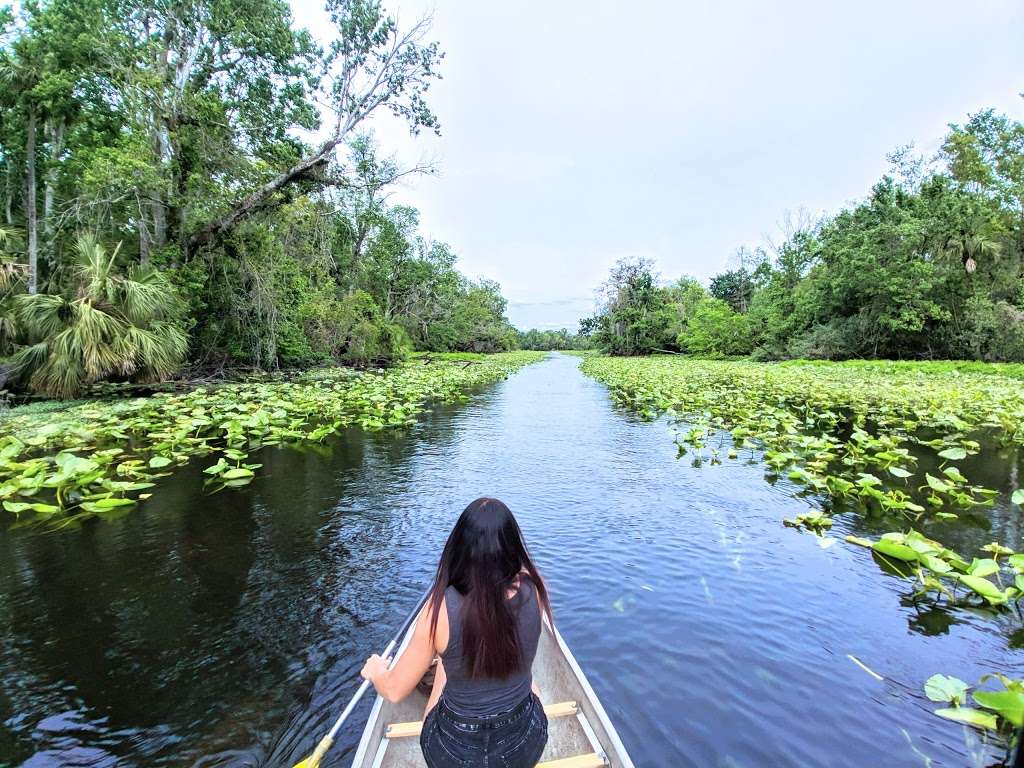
(228,630)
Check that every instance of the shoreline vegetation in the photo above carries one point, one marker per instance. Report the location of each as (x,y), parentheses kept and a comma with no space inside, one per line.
(929,265)
(891,442)
(166,209)
(165,212)
(102,457)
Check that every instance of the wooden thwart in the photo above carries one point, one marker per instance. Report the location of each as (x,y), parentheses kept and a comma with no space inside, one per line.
(405,730)
(593,760)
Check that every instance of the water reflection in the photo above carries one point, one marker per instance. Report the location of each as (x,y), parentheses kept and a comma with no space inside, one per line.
(226,629)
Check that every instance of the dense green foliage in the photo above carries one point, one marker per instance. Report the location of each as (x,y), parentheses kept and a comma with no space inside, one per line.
(172,133)
(929,266)
(109,324)
(561,339)
(96,457)
(845,431)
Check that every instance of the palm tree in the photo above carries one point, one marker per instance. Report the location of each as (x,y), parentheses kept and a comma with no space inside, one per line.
(11,276)
(111,324)
(970,248)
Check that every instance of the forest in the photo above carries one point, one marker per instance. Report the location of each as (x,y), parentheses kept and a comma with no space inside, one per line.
(195,187)
(930,265)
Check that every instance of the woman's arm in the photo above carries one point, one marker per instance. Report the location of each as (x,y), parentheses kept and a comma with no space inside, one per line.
(398,682)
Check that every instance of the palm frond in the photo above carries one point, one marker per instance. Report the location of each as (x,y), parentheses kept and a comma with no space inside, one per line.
(158,351)
(29,359)
(60,375)
(146,295)
(94,268)
(113,325)
(93,339)
(41,315)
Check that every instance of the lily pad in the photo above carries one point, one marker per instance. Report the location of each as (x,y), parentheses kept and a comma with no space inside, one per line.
(1009,704)
(970,716)
(944,688)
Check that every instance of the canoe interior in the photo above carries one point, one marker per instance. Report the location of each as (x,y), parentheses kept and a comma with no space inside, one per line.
(560,679)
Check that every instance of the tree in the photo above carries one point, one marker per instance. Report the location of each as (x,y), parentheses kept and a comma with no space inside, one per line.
(635,316)
(372,64)
(715,330)
(551,340)
(108,324)
(969,248)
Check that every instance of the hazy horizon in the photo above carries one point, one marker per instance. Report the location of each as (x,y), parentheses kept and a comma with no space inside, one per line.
(571,138)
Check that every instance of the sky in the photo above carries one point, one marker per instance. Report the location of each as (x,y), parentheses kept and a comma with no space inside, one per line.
(578,132)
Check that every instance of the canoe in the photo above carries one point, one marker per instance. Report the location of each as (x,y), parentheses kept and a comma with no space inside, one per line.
(580,734)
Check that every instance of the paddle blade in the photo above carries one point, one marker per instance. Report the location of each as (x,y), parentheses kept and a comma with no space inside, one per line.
(313,761)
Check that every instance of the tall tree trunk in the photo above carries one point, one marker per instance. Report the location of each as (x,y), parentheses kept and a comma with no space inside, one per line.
(144,235)
(9,183)
(156,237)
(55,129)
(31,219)
(159,214)
(9,202)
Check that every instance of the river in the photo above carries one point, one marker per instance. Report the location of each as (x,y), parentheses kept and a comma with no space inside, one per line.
(228,629)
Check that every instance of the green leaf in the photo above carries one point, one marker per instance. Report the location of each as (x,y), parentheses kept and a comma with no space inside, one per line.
(935,564)
(983,587)
(893,549)
(1009,704)
(1018,496)
(944,688)
(953,454)
(997,549)
(236,473)
(936,484)
(899,472)
(112,502)
(983,567)
(970,716)
(159,461)
(21,506)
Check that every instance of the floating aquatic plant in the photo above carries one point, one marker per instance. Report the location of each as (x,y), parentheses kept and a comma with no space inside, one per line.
(999,710)
(940,570)
(846,432)
(95,458)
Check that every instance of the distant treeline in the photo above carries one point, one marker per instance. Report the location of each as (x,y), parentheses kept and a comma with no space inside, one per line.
(157,209)
(548,340)
(929,265)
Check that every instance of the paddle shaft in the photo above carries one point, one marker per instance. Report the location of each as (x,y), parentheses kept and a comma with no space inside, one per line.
(328,740)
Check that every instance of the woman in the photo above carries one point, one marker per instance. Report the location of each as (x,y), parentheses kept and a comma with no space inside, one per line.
(483,619)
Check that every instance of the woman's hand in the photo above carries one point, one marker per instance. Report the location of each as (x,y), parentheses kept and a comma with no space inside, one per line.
(374,667)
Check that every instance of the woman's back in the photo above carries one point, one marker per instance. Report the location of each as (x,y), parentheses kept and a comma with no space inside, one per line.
(483,697)
(482,710)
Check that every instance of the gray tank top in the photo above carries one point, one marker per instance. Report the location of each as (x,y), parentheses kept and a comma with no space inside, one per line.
(483,697)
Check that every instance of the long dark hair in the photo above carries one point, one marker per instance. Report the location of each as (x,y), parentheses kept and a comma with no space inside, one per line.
(482,559)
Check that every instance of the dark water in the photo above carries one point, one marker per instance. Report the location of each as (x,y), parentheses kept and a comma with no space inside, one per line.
(227,630)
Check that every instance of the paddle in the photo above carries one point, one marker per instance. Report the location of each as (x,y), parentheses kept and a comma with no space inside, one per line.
(313,761)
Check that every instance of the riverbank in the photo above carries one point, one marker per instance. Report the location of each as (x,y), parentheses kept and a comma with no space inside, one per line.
(919,453)
(101,457)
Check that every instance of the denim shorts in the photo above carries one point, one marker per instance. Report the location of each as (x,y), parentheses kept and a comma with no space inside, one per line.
(513,739)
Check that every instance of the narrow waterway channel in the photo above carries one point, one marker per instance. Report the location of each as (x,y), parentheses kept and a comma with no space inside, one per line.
(227,629)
